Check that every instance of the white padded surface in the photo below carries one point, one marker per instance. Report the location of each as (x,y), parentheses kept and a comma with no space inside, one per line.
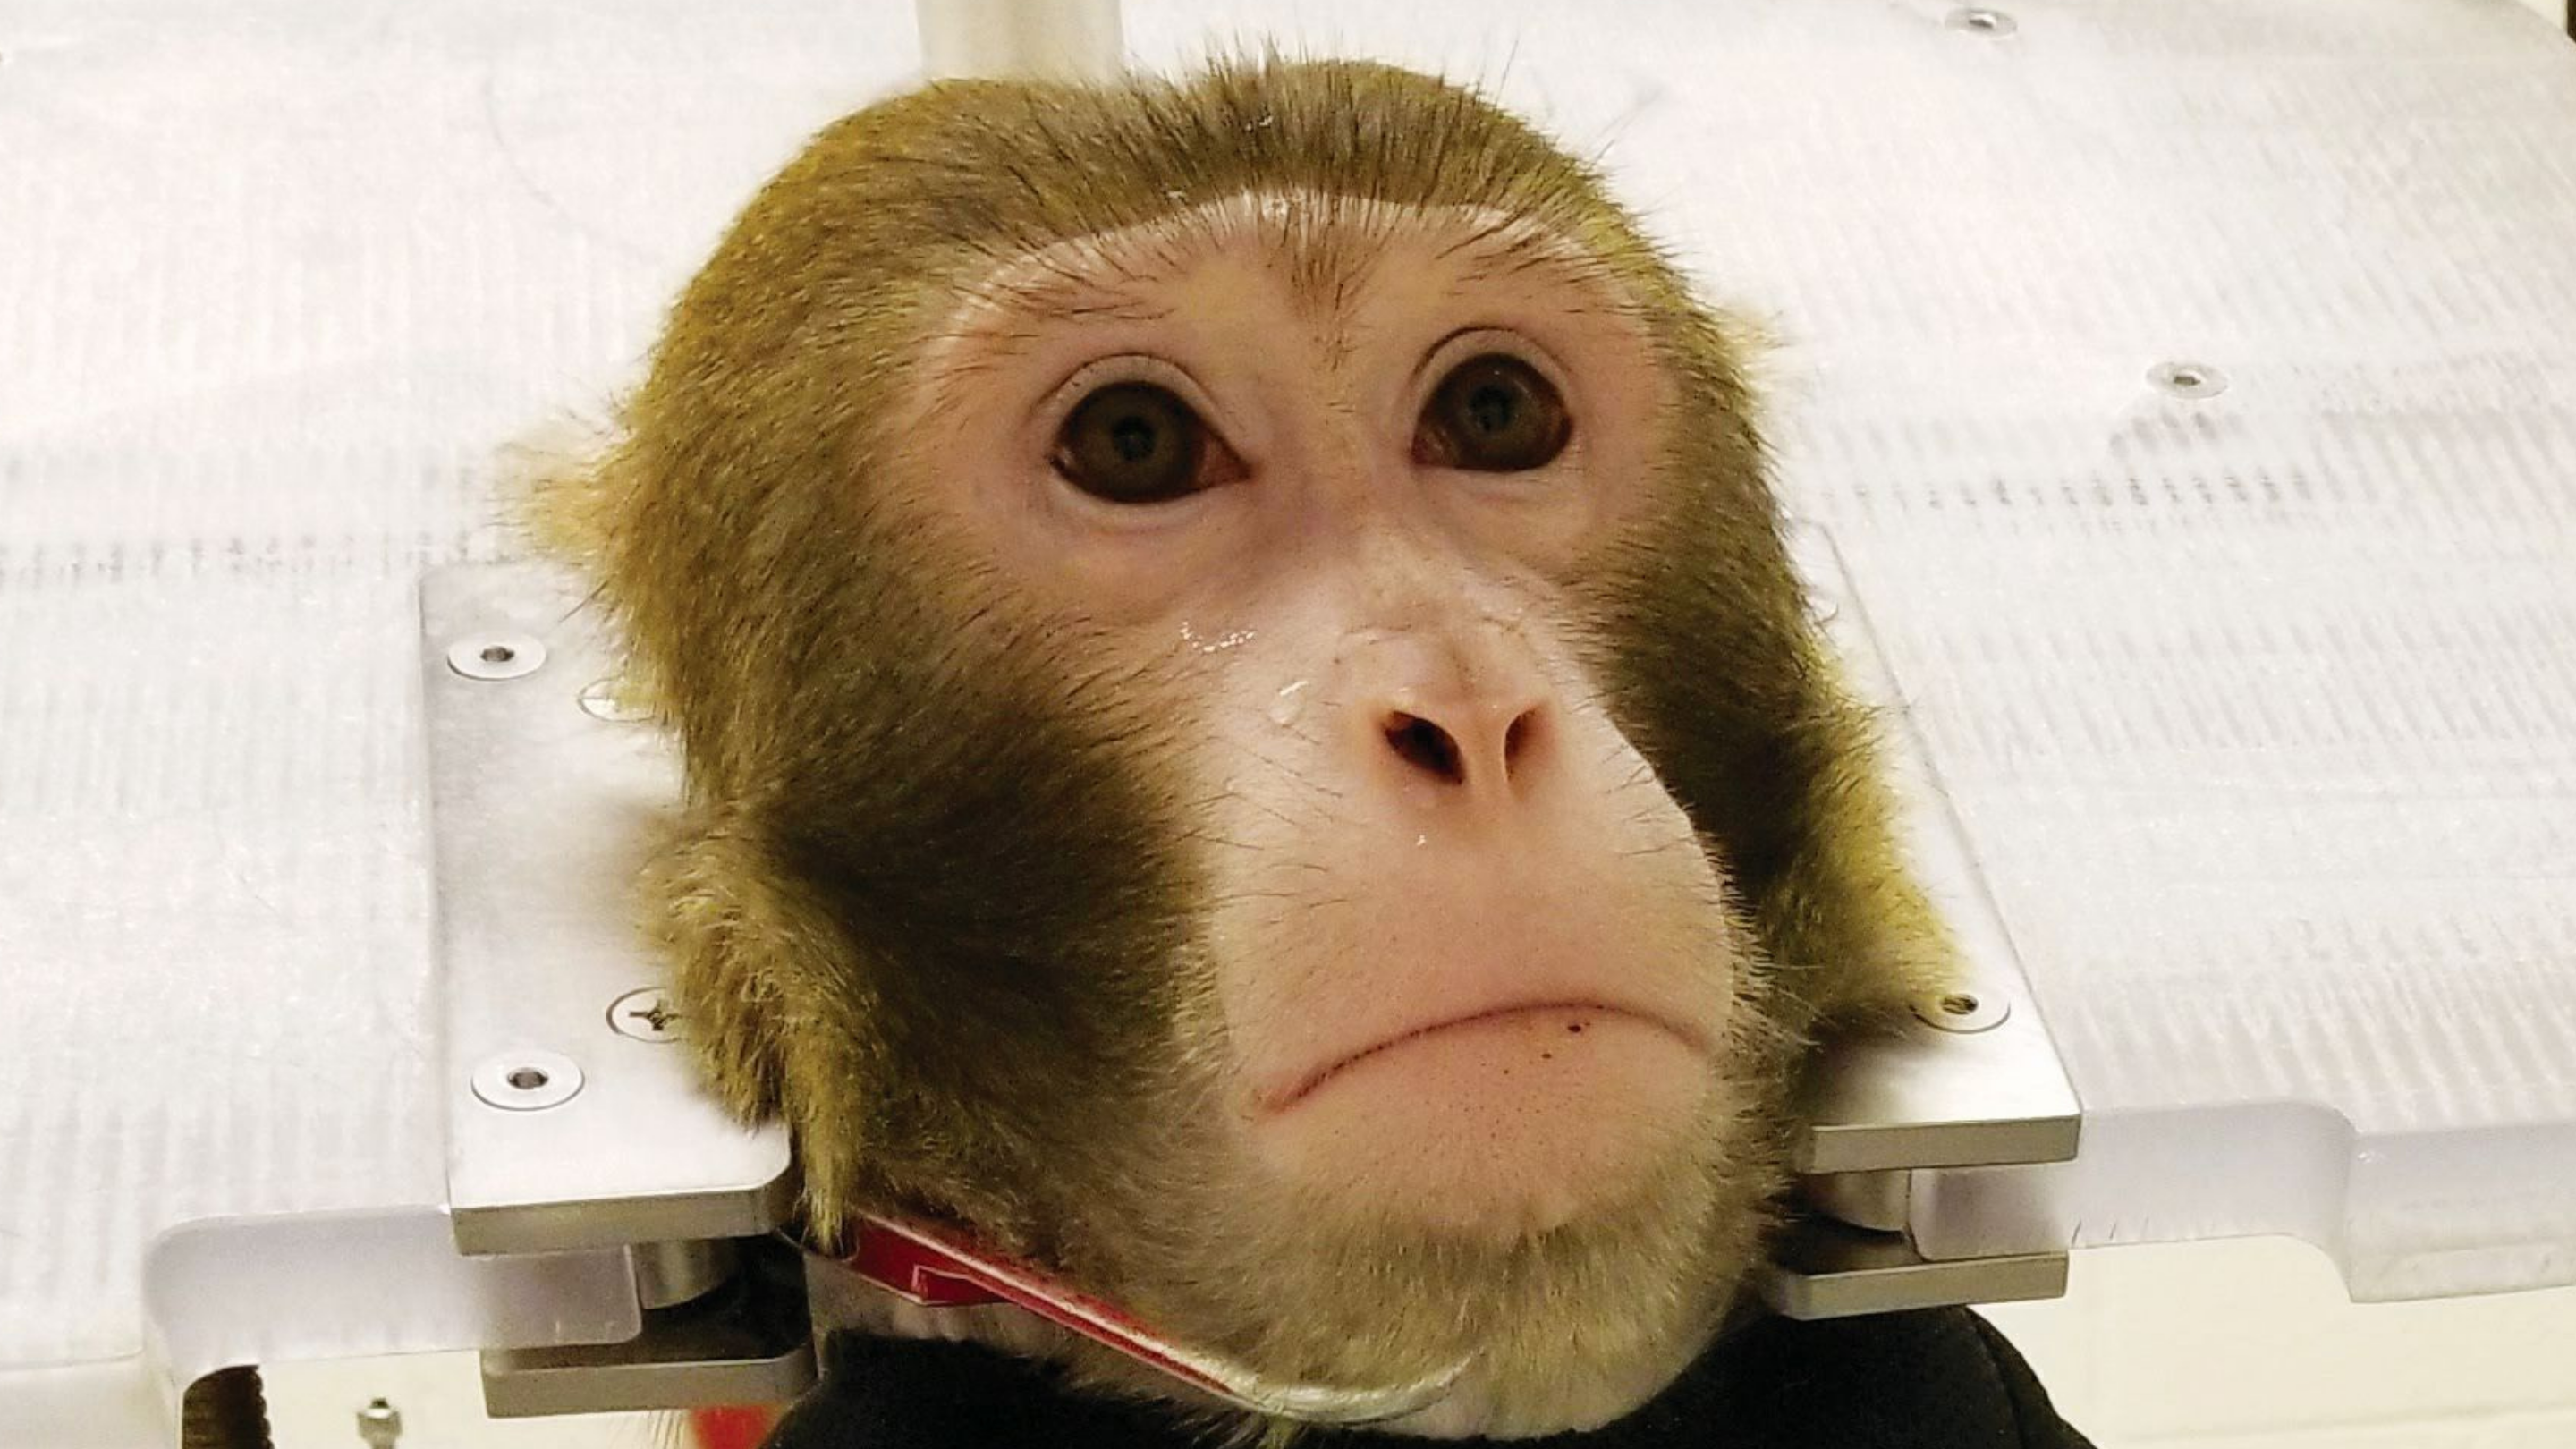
(276,281)
(2260,709)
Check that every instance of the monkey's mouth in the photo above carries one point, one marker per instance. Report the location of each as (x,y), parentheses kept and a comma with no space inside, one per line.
(1579,1017)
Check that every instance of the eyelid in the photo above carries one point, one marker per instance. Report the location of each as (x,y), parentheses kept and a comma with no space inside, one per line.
(1479,340)
(1058,404)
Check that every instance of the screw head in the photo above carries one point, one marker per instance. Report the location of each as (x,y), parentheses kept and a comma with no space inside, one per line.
(527,1081)
(1962,1011)
(646,1015)
(497,656)
(1979,20)
(2188,379)
(606,699)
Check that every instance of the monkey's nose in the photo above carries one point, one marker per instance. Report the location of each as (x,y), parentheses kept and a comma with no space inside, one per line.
(1490,748)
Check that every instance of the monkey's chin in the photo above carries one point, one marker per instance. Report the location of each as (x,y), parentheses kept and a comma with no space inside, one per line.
(1504,1125)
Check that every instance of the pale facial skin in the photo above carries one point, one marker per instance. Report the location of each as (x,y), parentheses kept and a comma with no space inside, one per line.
(1470,956)
(1472,972)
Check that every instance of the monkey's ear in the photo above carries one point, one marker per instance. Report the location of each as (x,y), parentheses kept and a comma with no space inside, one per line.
(713,909)
(773,999)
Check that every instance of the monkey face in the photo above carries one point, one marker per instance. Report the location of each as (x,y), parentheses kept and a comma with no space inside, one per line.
(1252,741)
(1447,974)
(1468,965)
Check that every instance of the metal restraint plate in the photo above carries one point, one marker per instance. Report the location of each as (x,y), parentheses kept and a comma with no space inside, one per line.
(574,1119)
(574,1116)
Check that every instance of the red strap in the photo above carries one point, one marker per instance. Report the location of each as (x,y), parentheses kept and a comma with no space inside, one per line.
(912,1265)
(731,1428)
(939,1269)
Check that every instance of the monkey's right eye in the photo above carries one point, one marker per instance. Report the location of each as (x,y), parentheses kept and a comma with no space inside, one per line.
(1493,414)
(1133,442)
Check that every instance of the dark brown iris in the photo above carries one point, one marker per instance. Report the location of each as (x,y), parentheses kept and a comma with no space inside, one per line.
(1133,442)
(1493,414)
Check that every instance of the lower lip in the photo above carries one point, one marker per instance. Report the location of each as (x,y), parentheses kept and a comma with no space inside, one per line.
(1495,1125)
(1272,1104)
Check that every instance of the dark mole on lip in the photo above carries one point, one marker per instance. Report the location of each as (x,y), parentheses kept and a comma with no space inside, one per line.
(1574,1026)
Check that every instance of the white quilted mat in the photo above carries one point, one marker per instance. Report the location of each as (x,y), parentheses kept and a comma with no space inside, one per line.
(2260,707)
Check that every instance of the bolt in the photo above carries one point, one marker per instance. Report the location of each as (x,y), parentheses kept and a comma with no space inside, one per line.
(380,1424)
(606,699)
(645,1015)
(527,1081)
(2188,379)
(496,656)
(1962,1011)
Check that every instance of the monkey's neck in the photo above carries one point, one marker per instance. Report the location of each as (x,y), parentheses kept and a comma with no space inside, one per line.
(843,1302)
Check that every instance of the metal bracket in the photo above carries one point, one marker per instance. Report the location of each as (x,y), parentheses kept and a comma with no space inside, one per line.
(566,1128)
(1826,1269)
(746,1341)
(574,1118)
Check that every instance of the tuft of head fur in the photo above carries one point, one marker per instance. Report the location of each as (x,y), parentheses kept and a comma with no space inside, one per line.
(929,899)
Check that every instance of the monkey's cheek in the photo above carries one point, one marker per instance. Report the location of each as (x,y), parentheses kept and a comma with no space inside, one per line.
(1498,1128)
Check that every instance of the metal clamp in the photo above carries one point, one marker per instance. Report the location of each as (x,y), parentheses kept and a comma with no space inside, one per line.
(745,1339)
(1971,1082)
(572,1124)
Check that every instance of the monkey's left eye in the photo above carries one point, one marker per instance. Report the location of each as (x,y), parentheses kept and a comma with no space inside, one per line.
(1492,414)
(1133,442)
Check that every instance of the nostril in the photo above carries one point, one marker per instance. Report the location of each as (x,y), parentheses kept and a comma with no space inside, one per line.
(1425,746)
(1518,739)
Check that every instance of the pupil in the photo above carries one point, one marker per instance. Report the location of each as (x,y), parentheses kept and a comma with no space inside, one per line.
(1133,438)
(1491,409)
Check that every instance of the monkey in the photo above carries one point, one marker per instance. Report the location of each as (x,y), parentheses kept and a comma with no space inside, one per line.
(1251,736)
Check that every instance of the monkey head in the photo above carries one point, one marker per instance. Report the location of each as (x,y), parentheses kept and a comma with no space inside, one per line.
(1250,734)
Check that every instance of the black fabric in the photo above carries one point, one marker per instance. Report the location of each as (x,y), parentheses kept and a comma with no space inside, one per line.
(1942,1379)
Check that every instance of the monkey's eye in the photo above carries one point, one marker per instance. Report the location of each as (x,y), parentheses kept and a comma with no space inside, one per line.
(1133,442)
(1492,414)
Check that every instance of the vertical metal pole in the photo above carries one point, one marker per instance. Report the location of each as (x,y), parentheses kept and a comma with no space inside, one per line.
(1039,39)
